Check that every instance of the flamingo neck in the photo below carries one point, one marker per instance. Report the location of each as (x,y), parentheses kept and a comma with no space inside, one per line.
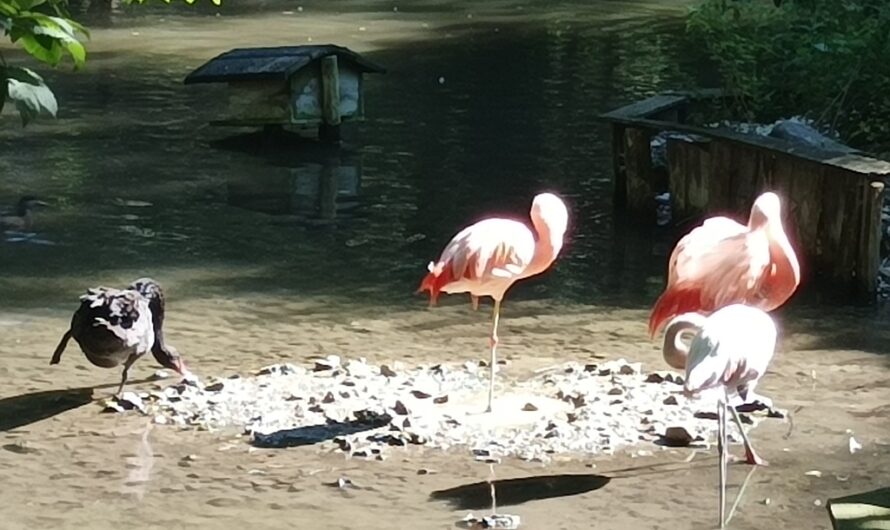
(547,247)
(785,276)
(675,349)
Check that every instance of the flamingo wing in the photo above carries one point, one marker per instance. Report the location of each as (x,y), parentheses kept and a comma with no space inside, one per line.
(734,347)
(495,250)
(718,263)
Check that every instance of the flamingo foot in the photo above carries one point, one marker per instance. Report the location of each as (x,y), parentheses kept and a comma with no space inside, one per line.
(753,458)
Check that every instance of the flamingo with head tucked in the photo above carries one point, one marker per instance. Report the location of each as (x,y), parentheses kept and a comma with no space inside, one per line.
(488,257)
(728,354)
(723,262)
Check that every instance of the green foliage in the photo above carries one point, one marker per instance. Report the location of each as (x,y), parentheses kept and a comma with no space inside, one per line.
(30,94)
(46,31)
(825,59)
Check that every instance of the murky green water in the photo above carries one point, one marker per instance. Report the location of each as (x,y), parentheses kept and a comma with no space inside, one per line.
(472,121)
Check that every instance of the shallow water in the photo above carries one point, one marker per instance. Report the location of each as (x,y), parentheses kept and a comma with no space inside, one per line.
(483,105)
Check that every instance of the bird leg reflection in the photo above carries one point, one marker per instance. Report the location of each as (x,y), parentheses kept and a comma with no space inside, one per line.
(491,480)
(493,343)
(721,453)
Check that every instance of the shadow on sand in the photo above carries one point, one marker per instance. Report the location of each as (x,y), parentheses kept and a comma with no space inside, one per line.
(510,492)
(313,434)
(25,409)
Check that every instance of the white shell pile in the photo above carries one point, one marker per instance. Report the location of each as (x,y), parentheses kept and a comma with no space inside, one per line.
(365,410)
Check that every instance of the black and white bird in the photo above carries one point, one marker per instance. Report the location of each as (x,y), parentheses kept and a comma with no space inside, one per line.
(115,326)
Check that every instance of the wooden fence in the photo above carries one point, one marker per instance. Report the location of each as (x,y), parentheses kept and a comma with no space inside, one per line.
(833,200)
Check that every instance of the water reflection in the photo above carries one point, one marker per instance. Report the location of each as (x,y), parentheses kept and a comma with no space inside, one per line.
(308,181)
(457,130)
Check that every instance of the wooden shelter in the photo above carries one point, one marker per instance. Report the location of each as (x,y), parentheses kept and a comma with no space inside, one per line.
(833,199)
(317,85)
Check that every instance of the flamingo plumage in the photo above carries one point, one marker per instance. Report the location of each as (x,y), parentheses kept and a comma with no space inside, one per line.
(729,354)
(723,262)
(488,257)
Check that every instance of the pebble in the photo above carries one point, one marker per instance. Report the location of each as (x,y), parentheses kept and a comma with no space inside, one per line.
(361,409)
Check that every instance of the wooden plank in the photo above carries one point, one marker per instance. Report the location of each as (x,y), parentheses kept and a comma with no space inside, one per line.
(807,188)
(870,240)
(697,198)
(868,510)
(742,186)
(330,90)
(689,173)
(681,158)
(638,170)
(853,162)
(258,101)
(832,227)
(646,108)
(721,174)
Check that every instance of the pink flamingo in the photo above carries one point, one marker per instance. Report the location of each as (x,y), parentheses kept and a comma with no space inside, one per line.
(723,262)
(486,258)
(729,353)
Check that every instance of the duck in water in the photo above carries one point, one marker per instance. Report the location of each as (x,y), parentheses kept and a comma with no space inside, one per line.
(115,326)
(21,217)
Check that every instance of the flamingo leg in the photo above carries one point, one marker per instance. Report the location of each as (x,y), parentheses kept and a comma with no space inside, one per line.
(721,453)
(493,343)
(474,300)
(750,456)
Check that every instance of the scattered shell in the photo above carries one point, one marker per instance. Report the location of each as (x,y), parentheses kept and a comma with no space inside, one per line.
(328,363)
(813,473)
(854,445)
(360,409)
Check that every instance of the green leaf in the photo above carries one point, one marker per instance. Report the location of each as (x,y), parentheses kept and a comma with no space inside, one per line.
(78,53)
(31,100)
(25,75)
(42,48)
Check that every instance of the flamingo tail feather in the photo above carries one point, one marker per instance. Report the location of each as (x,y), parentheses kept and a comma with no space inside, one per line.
(671,303)
(438,277)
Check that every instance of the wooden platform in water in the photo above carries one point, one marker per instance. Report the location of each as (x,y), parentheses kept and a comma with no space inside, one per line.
(833,198)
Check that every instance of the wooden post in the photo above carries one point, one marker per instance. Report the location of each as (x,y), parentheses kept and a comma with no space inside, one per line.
(638,170)
(869,258)
(329,130)
(619,176)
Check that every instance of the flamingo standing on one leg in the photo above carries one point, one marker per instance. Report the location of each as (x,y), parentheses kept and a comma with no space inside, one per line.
(723,262)
(730,354)
(486,258)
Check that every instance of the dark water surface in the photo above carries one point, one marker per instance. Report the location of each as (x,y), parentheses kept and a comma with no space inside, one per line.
(472,121)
